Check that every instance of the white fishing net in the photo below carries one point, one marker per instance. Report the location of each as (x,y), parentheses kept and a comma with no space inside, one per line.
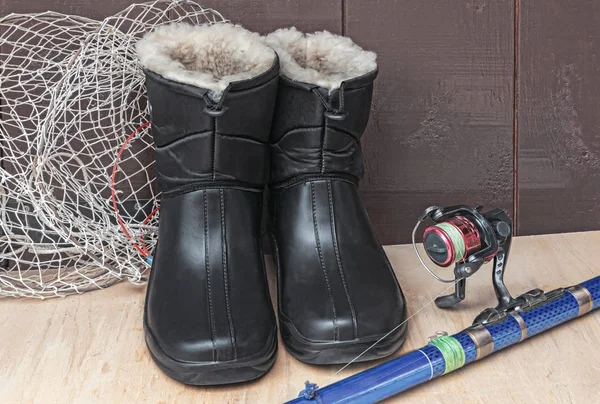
(78,201)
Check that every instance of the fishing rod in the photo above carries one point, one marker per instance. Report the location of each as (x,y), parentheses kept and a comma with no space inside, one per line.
(468,238)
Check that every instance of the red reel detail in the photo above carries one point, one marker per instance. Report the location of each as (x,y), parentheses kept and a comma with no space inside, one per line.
(469,233)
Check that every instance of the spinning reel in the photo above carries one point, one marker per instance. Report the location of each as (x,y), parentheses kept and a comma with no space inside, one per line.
(468,238)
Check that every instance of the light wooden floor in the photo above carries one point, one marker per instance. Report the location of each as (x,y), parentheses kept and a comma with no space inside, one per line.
(89,348)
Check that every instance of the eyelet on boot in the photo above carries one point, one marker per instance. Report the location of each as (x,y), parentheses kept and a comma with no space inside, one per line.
(215,112)
(331,112)
(336,115)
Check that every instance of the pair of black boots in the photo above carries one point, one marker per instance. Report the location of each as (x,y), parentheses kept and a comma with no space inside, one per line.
(232,113)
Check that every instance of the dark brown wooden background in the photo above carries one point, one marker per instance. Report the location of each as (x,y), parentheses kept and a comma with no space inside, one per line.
(493,102)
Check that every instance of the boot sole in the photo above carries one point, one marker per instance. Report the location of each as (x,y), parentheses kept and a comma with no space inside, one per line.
(212,373)
(342,352)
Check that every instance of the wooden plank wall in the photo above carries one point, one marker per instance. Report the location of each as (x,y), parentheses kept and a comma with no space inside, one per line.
(478,101)
(558,116)
(443,107)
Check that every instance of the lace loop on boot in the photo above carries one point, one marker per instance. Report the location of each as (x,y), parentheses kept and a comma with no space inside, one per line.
(336,114)
(212,108)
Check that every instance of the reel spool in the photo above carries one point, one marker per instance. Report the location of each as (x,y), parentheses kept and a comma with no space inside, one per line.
(467,238)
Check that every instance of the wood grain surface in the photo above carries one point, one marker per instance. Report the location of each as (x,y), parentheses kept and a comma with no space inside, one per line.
(257,15)
(441,129)
(86,8)
(264,16)
(559,123)
(90,348)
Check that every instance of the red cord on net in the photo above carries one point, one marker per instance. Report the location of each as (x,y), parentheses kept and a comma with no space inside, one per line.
(142,248)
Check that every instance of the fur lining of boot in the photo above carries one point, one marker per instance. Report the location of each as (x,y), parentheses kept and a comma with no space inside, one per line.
(320,58)
(205,56)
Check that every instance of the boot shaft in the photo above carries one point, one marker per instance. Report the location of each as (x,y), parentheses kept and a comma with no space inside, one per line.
(196,143)
(323,105)
(211,124)
(317,131)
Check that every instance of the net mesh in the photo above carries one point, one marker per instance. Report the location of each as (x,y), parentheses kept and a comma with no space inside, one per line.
(78,200)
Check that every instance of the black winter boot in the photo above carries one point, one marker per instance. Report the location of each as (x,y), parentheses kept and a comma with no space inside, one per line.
(208,316)
(338,293)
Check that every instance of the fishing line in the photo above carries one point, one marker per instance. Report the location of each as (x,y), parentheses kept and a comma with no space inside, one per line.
(457,240)
(395,328)
(452,352)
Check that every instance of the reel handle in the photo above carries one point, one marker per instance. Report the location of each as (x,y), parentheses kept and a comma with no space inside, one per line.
(458,296)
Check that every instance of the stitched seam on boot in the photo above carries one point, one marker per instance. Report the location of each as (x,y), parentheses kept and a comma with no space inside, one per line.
(208,184)
(314,128)
(207,269)
(323,269)
(182,139)
(323,132)
(344,132)
(350,179)
(226,273)
(214,147)
(297,129)
(241,137)
(271,226)
(339,260)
